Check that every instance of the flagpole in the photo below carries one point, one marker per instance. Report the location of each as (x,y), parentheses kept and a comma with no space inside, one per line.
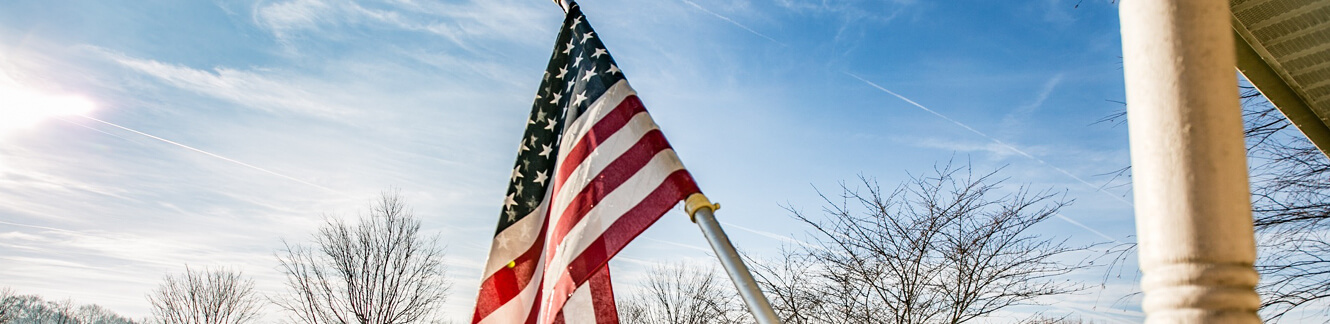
(700,209)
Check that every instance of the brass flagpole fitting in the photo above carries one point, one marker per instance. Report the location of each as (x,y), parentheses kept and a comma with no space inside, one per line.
(701,211)
(695,201)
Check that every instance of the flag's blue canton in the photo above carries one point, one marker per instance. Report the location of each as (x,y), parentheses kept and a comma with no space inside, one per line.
(580,71)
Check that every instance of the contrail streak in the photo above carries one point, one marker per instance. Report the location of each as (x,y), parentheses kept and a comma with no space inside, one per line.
(771,235)
(935,113)
(1010,147)
(40,227)
(1092,230)
(995,140)
(93,129)
(687,246)
(211,154)
(773,40)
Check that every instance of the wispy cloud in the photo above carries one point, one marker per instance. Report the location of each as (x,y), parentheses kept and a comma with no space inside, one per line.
(1085,227)
(1021,152)
(284,17)
(686,246)
(1015,123)
(1023,112)
(227,159)
(27,187)
(161,251)
(246,88)
(778,237)
(852,12)
(1090,161)
(856,8)
(731,21)
(45,256)
(483,67)
(994,150)
(465,24)
(345,91)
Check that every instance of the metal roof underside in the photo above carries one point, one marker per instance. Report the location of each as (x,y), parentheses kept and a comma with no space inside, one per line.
(1283,48)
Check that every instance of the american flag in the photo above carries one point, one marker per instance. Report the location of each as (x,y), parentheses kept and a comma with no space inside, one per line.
(593,171)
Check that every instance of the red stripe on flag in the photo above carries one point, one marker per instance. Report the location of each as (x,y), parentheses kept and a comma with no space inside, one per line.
(606,126)
(508,282)
(602,297)
(614,175)
(677,186)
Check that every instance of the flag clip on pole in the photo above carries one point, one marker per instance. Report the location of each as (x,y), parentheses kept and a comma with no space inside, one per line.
(699,210)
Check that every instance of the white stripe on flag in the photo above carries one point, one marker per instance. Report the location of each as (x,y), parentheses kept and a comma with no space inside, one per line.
(607,152)
(574,131)
(516,239)
(580,308)
(615,205)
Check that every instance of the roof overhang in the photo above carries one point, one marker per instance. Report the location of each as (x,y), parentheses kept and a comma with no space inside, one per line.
(1283,48)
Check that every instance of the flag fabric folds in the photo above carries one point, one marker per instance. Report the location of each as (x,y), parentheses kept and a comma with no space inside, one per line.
(593,171)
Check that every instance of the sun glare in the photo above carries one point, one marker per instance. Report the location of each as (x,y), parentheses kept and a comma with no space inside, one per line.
(24,108)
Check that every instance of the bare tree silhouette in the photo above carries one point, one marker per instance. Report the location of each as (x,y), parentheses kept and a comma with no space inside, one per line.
(949,247)
(206,296)
(684,295)
(9,305)
(33,309)
(378,271)
(1291,206)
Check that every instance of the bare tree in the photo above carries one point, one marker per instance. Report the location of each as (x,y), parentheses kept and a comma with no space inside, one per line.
(950,247)
(1291,206)
(378,271)
(1290,179)
(9,305)
(94,314)
(205,297)
(33,309)
(1065,319)
(683,295)
(799,294)
(47,312)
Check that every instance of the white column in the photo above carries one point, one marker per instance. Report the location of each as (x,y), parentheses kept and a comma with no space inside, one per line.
(1189,170)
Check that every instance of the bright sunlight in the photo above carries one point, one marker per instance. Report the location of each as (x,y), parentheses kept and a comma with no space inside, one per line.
(24,107)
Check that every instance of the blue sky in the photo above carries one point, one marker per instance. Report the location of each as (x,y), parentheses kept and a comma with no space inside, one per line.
(326,103)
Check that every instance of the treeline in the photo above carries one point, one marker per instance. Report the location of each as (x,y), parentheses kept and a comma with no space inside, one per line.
(377,270)
(25,309)
(949,246)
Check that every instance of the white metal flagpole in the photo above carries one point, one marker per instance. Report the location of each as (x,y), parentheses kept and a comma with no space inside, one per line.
(700,210)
